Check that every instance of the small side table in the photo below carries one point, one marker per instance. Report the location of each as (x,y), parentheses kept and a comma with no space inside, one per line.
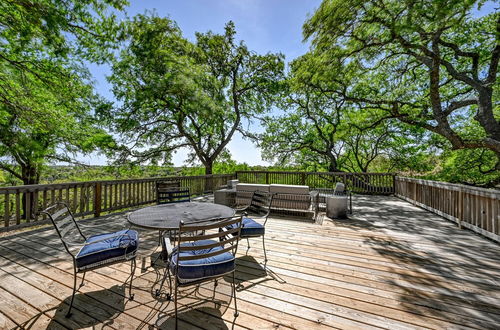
(336,207)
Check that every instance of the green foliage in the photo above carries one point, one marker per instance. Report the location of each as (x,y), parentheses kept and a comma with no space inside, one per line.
(320,131)
(429,64)
(46,98)
(469,166)
(181,94)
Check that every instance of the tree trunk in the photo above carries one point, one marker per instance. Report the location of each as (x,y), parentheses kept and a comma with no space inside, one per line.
(487,119)
(209,184)
(332,164)
(209,167)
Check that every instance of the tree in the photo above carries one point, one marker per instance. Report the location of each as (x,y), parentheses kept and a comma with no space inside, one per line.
(45,94)
(308,133)
(427,63)
(44,125)
(176,94)
(320,130)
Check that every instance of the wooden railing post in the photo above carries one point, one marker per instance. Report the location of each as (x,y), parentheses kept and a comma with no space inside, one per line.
(394,187)
(460,216)
(97,199)
(6,217)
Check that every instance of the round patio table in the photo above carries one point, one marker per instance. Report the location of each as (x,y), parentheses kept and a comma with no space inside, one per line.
(167,217)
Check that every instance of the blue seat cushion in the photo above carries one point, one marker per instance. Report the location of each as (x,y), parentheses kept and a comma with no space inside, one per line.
(107,246)
(249,228)
(191,270)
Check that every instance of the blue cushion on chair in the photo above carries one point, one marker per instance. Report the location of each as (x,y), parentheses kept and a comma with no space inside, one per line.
(110,245)
(191,270)
(250,228)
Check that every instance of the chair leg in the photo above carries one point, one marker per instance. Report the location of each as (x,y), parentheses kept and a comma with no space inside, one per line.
(132,272)
(175,303)
(234,295)
(68,314)
(83,279)
(169,297)
(216,282)
(158,291)
(248,246)
(264,247)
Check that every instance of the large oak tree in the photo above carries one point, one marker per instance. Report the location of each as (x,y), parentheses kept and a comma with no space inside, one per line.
(175,93)
(428,63)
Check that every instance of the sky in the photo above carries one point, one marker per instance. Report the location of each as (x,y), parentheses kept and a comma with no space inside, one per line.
(265,26)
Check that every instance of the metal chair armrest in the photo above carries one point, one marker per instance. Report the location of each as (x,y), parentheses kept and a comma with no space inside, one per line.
(168,245)
(241,209)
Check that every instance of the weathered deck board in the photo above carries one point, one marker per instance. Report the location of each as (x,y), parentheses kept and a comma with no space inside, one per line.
(391,265)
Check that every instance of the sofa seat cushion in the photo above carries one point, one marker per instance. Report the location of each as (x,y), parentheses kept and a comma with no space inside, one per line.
(192,270)
(107,246)
(249,228)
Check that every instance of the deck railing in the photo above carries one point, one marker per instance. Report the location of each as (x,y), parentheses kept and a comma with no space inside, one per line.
(477,209)
(473,208)
(365,183)
(20,205)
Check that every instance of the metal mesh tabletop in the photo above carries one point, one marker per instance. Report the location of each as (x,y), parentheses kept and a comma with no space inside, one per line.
(168,216)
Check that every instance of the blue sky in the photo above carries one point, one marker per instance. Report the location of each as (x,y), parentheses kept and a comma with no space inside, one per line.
(264,25)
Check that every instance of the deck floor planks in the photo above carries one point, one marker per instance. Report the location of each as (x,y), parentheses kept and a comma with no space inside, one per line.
(381,269)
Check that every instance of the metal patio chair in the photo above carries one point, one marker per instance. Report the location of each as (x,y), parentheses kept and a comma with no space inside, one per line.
(171,192)
(259,208)
(197,258)
(94,251)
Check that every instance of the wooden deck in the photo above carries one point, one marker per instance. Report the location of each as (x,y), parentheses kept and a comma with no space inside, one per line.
(391,266)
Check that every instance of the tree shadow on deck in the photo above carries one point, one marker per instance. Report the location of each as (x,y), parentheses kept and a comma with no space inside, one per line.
(458,290)
(436,270)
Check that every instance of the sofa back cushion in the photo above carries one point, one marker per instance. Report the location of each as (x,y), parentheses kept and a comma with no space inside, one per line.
(244,192)
(289,189)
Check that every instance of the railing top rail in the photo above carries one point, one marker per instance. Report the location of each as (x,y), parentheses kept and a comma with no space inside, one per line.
(62,185)
(453,186)
(320,173)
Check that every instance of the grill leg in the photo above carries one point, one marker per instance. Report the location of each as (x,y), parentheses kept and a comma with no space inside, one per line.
(68,314)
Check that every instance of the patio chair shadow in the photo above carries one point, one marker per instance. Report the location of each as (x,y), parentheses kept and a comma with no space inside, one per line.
(201,306)
(204,317)
(249,273)
(87,312)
